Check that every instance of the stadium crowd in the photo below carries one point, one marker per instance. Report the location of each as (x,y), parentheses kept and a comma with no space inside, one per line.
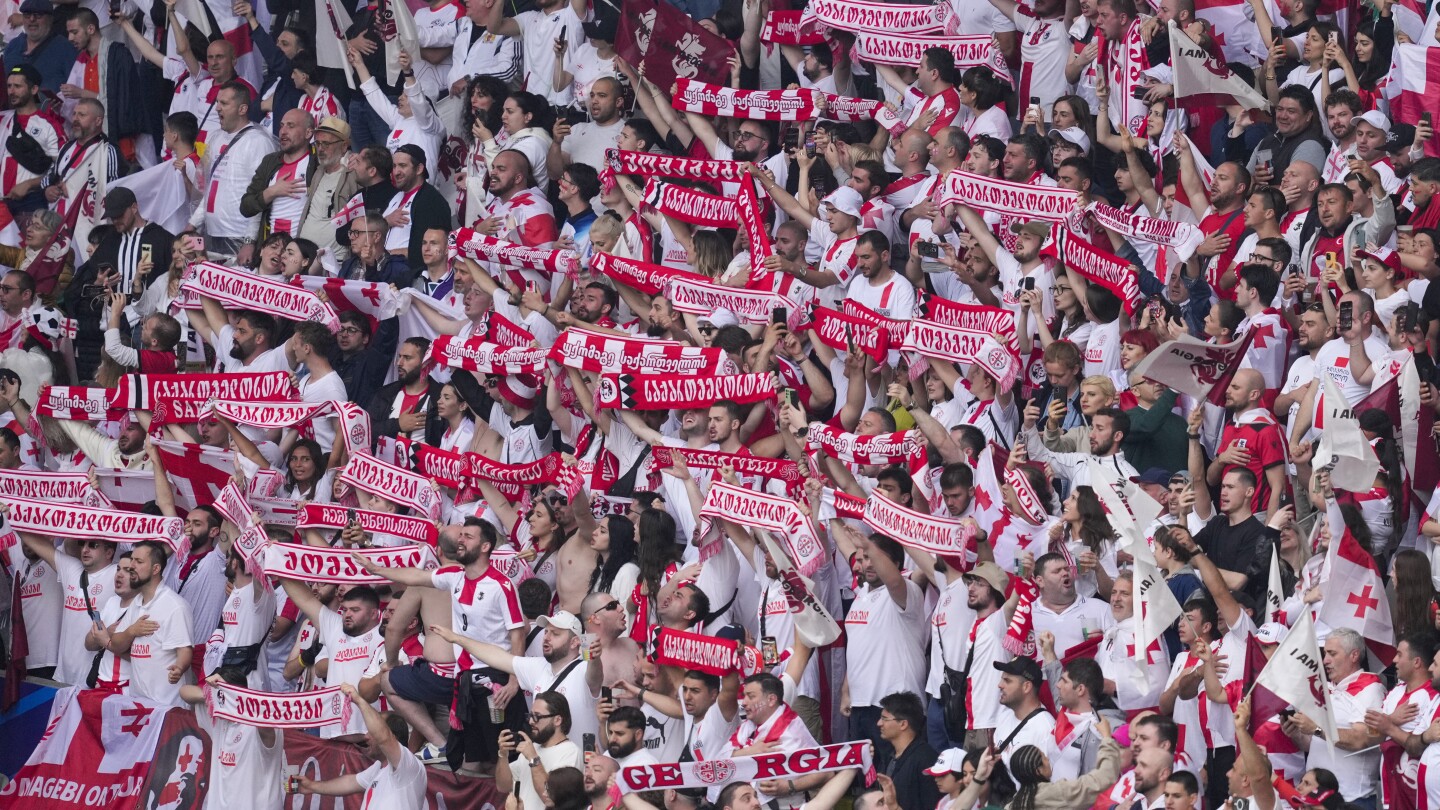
(1043,393)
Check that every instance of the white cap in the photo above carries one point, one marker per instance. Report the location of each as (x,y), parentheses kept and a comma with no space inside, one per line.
(1376,119)
(720,318)
(561,620)
(846,200)
(1074,136)
(949,762)
(1271,633)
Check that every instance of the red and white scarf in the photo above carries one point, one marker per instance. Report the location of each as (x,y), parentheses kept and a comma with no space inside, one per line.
(377,302)
(648,392)
(715,656)
(1020,634)
(354,421)
(759,105)
(1125,63)
(906,50)
(646,277)
(500,329)
(785,28)
(314,709)
(316,564)
(45,486)
(953,343)
(777,723)
(153,392)
(704,297)
(779,765)
(1103,268)
(330,516)
(1031,507)
(932,533)
(1182,237)
(478,246)
(244,289)
(235,506)
(884,18)
(895,328)
(621,161)
(689,205)
(392,483)
(839,330)
(1006,198)
(544,470)
(849,108)
(980,320)
(78,403)
(771,469)
(76,522)
(901,447)
(480,355)
(448,468)
(752,218)
(774,513)
(605,353)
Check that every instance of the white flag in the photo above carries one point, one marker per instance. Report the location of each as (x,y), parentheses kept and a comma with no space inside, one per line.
(1295,677)
(1156,608)
(1275,590)
(1343,448)
(1198,76)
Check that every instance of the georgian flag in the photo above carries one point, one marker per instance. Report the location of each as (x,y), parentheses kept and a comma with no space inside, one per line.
(1233,23)
(1415,87)
(1354,593)
(377,302)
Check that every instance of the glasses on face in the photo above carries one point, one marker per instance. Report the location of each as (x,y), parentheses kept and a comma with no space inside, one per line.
(93,544)
(742,135)
(612,606)
(886,719)
(538,716)
(350,330)
(706,330)
(328,142)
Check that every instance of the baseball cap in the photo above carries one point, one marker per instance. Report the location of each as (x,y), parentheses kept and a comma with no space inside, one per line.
(561,620)
(1074,136)
(1376,119)
(719,318)
(1271,633)
(1033,227)
(1400,138)
(117,200)
(335,126)
(1384,256)
(991,573)
(846,200)
(949,762)
(1021,667)
(37,7)
(1155,475)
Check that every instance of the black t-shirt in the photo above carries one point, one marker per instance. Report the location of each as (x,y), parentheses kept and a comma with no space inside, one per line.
(1243,548)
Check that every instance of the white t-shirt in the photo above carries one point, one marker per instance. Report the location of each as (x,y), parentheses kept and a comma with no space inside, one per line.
(1039,732)
(485,608)
(588,141)
(1102,350)
(1357,771)
(561,755)
(245,773)
(1334,359)
(952,617)
(538,32)
(986,636)
(74,663)
(894,298)
(41,603)
(271,360)
(152,656)
(285,212)
(536,675)
(349,657)
(327,388)
(885,644)
(246,621)
(400,786)
(114,669)
(709,737)
(1068,625)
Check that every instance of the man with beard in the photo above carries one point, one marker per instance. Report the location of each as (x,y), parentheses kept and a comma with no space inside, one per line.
(546,747)
(520,213)
(1024,720)
(883,633)
(1311,335)
(878,287)
(1342,113)
(86,580)
(416,207)
(625,737)
(1108,429)
(278,189)
(558,668)
(835,228)
(986,584)
(517,431)
(328,187)
(351,638)
(395,779)
(599,770)
(1021,265)
(771,725)
(246,347)
(201,577)
(360,365)
(587,141)
(708,706)
(71,171)
(245,620)
(408,405)
(232,154)
(531,314)
(21,185)
(1025,161)
(1223,221)
(161,658)
(112,672)
(485,608)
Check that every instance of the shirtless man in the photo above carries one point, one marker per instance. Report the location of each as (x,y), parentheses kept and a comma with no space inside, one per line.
(603,615)
(411,689)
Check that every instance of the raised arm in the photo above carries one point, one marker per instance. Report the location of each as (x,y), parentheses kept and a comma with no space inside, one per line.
(491,655)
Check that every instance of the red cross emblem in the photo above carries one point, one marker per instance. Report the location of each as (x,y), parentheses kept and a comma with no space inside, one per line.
(1363,602)
(982,497)
(140,717)
(1262,332)
(372,293)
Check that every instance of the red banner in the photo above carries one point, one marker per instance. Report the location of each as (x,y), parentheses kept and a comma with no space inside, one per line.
(319,760)
(666,44)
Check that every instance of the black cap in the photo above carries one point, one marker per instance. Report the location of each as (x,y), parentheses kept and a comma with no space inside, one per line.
(603,27)
(30,72)
(1400,138)
(1022,667)
(117,200)
(37,7)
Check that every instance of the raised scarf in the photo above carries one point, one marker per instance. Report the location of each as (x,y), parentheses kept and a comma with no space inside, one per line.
(314,709)
(646,277)
(758,105)
(78,403)
(884,18)
(480,355)
(840,330)
(479,247)
(1103,268)
(392,483)
(690,206)
(1006,198)
(316,564)
(605,353)
(932,533)
(243,289)
(775,513)
(330,516)
(771,469)
(703,298)
(666,391)
(75,522)
(775,765)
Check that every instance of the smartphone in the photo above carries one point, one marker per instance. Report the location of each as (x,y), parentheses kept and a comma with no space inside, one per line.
(351,519)
(849,338)
(517,787)
(587,744)
(792,397)
(606,693)
(194,243)
(1424,366)
(1347,315)
(927,249)
(1408,316)
(809,146)
(791,139)
(1334,38)
(1034,101)
(779,315)
(1139,93)
(1027,283)
(1425,118)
